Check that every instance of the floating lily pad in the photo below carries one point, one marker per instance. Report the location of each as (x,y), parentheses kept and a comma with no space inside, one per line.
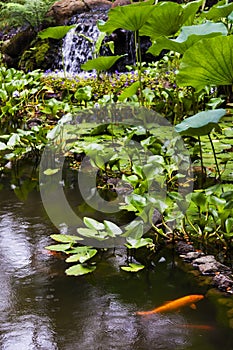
(133,267)
(79,270)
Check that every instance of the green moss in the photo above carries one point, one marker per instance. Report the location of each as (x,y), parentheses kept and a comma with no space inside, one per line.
(35,56)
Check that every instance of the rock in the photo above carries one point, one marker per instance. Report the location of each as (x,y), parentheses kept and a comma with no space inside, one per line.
(63,10)
(208,265)
(190,256)
(223,282)
(13,48)
(184,248)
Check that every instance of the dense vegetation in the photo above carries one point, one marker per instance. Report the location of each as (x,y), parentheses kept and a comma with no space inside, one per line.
(190,86)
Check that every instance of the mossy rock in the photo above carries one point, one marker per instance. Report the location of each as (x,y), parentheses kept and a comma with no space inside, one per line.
(39,56)
(18,44)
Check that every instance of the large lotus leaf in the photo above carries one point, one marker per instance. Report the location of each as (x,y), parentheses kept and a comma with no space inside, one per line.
(201,123)
(55,32)
(101,63)
(130,17)
(190,10)
(166,19)
(207,63)
(219,11)
(189,36)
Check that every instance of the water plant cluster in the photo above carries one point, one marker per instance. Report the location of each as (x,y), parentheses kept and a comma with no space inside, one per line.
(190,86)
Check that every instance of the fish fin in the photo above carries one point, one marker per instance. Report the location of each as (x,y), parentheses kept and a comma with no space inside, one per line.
(193,306)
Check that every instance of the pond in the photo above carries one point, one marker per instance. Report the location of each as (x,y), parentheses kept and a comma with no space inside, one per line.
(42,308)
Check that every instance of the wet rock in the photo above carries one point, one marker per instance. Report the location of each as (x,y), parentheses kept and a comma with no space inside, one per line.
(63,10)
(223,282)
(208,265)
(184,248)
(190,256)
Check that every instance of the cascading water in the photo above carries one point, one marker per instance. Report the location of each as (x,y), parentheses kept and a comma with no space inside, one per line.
(79,43)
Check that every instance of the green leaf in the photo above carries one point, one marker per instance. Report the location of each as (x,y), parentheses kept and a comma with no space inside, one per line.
(131,17)
(207,63)
(129,91)
(189,36)
(200,199)
(3,146)
(217,12)
(59,247)
(51,171)
(65,238)
(83,93)
(93,224)
(101,63)
(201,123)
(13,140)
(55,32)
(229,225)
(133,243)
(112,229)
(82,256)
(79,270)
(167,18)
(132,267)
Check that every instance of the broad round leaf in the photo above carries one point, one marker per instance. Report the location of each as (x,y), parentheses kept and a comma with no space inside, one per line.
(167,18)
(207,63)
(130,17)
(201,123)
(189,36)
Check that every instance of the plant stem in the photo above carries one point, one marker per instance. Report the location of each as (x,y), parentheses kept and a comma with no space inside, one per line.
(215,157)
(202,165)
(138,64)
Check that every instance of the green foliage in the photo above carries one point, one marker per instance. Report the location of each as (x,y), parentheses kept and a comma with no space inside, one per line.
(207,63)
(101,63)
(29,12)
(56,33)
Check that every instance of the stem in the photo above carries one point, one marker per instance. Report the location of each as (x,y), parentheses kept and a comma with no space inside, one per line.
(202,165)
(215,157)
(138,64)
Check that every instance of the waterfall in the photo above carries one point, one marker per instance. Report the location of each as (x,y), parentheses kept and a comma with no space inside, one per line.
(79,43)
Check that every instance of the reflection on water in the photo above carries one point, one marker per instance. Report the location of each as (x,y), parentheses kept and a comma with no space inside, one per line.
(43,309)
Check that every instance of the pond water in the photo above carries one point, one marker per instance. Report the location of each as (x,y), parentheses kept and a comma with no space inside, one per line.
(42,308)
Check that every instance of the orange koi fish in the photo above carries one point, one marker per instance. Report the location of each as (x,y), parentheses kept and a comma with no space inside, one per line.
(204,327)
(175,304)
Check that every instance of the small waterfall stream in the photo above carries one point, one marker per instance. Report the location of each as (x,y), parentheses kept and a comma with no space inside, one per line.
(79,43)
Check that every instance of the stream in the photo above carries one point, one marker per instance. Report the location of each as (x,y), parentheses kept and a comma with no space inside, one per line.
(42,308)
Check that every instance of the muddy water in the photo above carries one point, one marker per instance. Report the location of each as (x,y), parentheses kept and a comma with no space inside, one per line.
(43,309)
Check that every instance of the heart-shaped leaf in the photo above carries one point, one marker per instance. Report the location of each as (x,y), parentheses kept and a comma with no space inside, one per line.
(101,63)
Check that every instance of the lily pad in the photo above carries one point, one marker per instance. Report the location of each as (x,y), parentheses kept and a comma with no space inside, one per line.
(133,267)
(79,270)
(65,238)
(201,123)
(59,247)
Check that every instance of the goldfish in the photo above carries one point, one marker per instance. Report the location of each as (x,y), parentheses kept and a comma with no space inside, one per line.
(204,327)
(175,304)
